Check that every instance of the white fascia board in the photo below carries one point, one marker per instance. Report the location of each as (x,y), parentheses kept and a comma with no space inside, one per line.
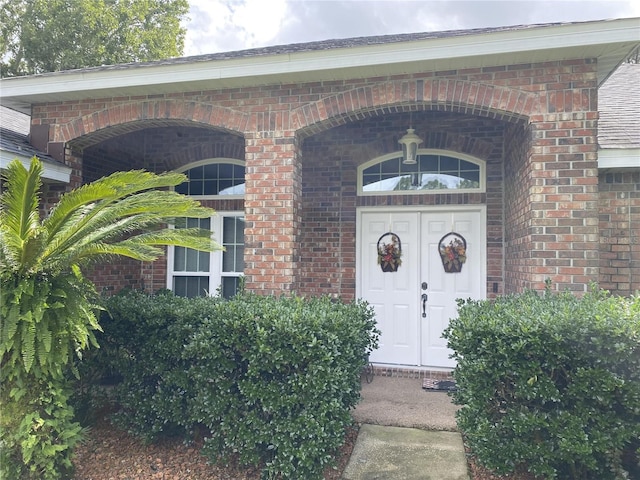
(51,171)
(619,158)
(476,45)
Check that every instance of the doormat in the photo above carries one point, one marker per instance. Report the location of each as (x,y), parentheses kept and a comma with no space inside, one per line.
(441,385)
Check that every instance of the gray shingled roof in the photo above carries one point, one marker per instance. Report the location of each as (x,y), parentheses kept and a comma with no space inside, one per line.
(619,106)
(14,131)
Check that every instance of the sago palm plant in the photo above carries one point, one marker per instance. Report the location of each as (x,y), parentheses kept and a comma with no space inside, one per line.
(48,309)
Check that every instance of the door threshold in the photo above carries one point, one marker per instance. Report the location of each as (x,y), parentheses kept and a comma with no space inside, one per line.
(409,371)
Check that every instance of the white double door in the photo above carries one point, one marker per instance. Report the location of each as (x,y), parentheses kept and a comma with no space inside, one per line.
(413,305)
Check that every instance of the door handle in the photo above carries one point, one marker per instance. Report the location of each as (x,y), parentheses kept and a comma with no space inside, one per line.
(424,305)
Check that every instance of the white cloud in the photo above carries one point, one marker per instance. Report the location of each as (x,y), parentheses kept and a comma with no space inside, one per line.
(228,25)
(219,25)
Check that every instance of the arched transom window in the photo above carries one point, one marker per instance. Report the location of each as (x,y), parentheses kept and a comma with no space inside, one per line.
(213,178)
(435,171)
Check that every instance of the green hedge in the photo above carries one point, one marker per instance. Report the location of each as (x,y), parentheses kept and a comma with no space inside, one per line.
(272,379)
(550,383)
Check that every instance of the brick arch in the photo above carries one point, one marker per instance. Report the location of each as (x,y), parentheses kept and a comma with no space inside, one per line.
(186,112)
(233,150)
(463,96)
(434,139)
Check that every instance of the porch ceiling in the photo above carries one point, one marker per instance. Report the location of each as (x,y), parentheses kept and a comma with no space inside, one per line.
(609,41)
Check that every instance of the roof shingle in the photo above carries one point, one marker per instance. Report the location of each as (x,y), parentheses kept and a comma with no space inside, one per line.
(619,106)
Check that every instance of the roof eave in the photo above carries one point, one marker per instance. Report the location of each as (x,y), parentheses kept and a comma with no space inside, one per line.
(52,172)
(607,40)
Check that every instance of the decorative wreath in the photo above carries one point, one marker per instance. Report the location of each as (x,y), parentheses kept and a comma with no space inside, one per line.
(389,254)
(454,253)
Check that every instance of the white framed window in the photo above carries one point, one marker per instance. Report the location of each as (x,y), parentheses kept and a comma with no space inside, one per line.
(436,171)
(191,273)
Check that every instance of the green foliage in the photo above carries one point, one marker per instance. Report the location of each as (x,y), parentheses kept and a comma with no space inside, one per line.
(37,337)
(45,322)
(47,308)
(52,35)
(37,430)
(550,383)
(271,379)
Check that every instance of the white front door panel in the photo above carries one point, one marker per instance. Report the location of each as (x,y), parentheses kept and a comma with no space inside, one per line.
(407,337)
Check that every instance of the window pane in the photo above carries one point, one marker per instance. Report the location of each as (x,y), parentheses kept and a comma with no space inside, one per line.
(240,230)
(224,184)
(239,267)
(228,259)
(464,165)
(196,173)
(390,166)
(225,170)
(448,164)
(228,230)
(233,241)
(238,172)
(179,259)
(428,163)
(203,261)
(211,171)
(191,286)
(210,187)
(192,261)
(233,230)
(230,286)
(196,187)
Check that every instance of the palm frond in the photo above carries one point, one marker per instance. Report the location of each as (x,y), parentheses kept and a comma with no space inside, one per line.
(195,238)
(104,222)
(106,191)
(19,214)
(141,246)
(115,215)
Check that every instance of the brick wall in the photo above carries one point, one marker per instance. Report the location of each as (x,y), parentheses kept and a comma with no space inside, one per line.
(546,113)
(619,222)
(517,210)
(330,161)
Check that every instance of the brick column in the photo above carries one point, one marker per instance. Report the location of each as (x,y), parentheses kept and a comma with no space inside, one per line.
(272,212)
(563,199)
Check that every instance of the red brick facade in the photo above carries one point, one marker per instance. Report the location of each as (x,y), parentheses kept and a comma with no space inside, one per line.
(619,224)
(534,125)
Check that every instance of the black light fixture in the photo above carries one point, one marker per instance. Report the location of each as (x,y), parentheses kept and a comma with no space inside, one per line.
(410,142)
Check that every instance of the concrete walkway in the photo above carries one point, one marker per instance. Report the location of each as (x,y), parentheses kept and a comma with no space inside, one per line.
(407,433)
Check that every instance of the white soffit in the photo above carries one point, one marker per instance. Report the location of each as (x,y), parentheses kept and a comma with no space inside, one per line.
(608,41)
(619,158)
(51,171)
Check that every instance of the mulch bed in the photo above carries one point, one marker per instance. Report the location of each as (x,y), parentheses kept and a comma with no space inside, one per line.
(112,454)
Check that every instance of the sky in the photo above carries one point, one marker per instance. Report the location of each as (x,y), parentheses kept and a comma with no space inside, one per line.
(230,25)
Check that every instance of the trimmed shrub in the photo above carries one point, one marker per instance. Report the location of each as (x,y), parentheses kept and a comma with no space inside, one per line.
(550,383)
(143,346)
(272,379)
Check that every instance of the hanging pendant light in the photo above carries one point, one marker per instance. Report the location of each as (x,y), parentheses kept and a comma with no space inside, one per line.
(410,142)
